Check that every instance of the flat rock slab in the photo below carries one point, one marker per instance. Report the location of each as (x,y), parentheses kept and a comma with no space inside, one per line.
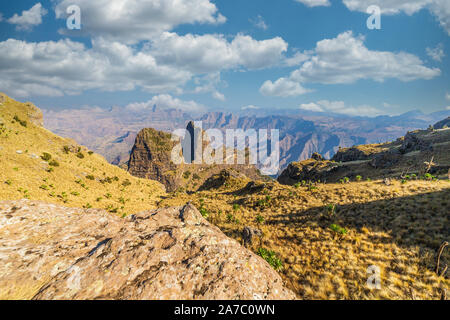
(52,252)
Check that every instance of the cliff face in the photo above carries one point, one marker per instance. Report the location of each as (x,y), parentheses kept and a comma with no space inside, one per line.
(151,158)
(53,252)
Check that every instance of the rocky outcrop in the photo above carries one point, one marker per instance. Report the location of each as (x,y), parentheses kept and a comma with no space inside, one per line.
(385,159)
(151,158)
(52,252)
(350,154)
(308,170)
(442,124)
(413,142)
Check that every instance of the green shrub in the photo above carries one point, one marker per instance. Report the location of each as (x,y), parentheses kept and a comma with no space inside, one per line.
(236,207)
(338,229)
(331,209)
(46,156)
(186,174)
(358,178)
(126,183)
(66,149)
(271,258)
(90,177)
(80,155)
(53,163)
(259,219)
(90,153)
(43,187)
(204,212)
(8,182)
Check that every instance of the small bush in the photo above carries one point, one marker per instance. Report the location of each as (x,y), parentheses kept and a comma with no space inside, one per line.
(46,156)
(186,174)
(126,183)
(90,153)
(259,219)
(43,187)
(338,229)
(53,163)
(204,212)
(90,177)
(331,209)
(8,182)
(358,178)
(236,207)
(80,155)
(271,258)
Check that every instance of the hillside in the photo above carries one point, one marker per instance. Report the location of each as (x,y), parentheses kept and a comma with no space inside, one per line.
(323,237)
(418,153)
(39,165)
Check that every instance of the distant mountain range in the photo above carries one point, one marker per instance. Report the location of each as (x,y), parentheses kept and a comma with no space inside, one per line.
(112,132)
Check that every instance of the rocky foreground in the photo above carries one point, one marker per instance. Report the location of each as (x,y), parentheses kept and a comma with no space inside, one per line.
(52,252)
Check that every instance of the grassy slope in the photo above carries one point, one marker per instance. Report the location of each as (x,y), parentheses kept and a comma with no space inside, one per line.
(24,174)
(398,228)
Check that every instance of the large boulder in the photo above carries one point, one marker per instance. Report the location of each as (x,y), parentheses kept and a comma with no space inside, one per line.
(52,252)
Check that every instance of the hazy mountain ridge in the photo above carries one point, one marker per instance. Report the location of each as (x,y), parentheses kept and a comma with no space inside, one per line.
(112,132)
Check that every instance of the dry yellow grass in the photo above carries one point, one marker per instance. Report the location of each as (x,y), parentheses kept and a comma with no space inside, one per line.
(398,228)
(76,182)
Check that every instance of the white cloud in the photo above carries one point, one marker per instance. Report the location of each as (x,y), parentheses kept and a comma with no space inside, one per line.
(67,67)
(344,60)
(448,108)
(283,87)
(440,8)
(130,21)
(166,101)
(161,66)
(447,96)
(341,108)
(315,3)
(259,23)
(211,53)
(436,53)
(250,107)
(297,59)
(29,18)
(218,96)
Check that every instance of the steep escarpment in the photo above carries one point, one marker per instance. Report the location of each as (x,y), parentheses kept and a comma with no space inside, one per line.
(151,158)
(53,252)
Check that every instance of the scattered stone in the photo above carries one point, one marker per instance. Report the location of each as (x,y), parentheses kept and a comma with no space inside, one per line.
(19,151)
(248,234)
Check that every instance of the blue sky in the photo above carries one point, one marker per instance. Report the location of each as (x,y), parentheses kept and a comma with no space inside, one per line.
(224,55)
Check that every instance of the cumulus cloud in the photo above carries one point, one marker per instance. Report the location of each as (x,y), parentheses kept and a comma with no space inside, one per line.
(344,60)
(297,59)
(67,67)
(259,23)
(130,21)
(283,87)
(436,53)
(315,3)
(29,18)
(166,101)
(211,53)
(341,108)
(160,66)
